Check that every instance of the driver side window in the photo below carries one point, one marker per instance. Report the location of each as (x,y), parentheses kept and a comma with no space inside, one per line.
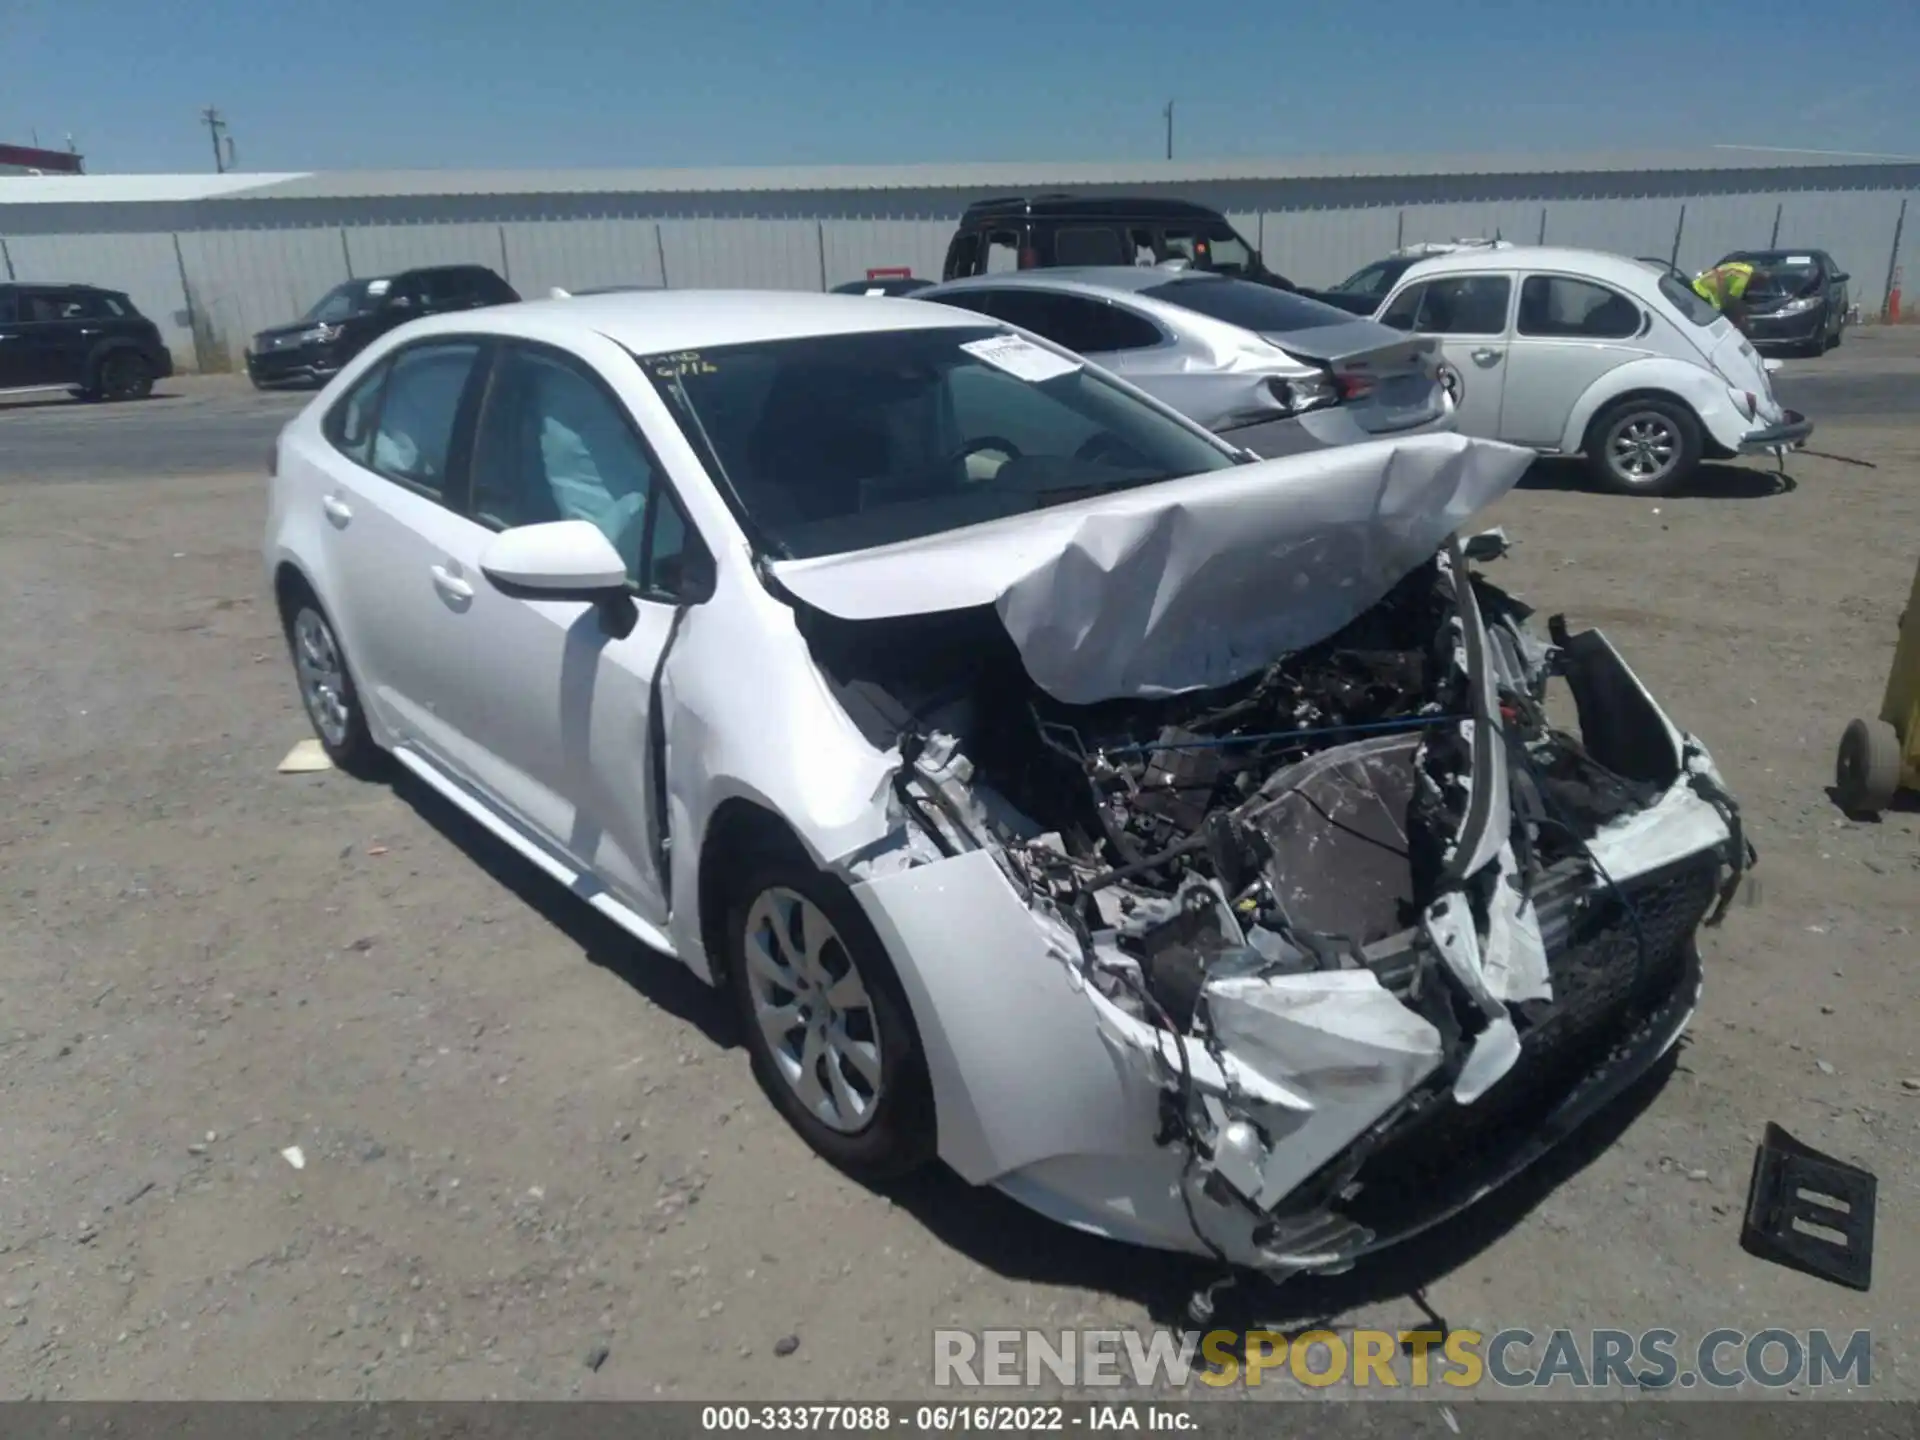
(553,445)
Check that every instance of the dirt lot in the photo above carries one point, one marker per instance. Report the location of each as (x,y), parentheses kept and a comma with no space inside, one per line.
(529,1148)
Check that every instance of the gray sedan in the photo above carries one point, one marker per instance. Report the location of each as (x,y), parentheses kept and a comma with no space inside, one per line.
(1275,373)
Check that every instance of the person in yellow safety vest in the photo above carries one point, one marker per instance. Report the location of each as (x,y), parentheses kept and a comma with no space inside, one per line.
(1725,288)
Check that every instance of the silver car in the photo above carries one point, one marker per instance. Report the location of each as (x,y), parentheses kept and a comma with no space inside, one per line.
(1272,372)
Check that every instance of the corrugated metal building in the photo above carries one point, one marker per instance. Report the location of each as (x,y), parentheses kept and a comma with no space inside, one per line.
(216,257)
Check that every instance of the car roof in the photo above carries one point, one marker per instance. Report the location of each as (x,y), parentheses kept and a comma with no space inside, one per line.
(651,321)
(1140,207)
(1774,257)
(1126,279)
(1601,265)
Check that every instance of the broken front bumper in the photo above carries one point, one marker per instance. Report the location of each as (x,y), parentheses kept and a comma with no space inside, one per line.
(1322,1116)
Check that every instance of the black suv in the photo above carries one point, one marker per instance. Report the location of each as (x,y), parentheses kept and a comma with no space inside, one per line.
(81,338)
(352,315)
(1019,232)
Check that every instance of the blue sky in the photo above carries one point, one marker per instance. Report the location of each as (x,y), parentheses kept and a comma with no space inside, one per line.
(351,84)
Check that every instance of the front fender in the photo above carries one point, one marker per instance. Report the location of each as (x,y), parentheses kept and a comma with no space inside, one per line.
(741,656)
(1700,389)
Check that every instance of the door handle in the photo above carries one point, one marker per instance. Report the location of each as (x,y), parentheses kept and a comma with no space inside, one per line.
(1485,356)
(337,509)
(89,330)
(451,585)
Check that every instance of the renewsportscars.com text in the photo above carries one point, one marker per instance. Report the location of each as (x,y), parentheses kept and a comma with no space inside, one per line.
(1508,1359)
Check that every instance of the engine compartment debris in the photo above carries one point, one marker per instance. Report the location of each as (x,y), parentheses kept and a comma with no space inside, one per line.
(1338,907)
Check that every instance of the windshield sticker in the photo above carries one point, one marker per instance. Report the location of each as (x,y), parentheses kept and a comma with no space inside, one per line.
(1020,358)
(876,290)
(1799,260)
(379,287)
(684,362)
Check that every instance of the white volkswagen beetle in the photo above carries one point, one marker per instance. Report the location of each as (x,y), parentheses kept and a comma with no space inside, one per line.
(1576,352)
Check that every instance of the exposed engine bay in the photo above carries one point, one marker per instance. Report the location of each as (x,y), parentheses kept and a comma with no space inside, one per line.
(1350,909)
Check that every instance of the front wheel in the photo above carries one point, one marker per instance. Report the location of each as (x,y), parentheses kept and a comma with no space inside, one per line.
(825,1020)
(1643,447)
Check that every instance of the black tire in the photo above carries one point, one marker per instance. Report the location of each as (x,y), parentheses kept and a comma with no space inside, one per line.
(345,738)
(898,1135)
(1635,430)
(1866,773)
(123,375)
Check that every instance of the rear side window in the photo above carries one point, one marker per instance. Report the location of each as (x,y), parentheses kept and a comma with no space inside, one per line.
(1452,305)
(963,256)
(1003,252)
(1259,308)
(1688,301)
(349,425)
(1554,306)
(419,409)
(1092,327)
(1088,245)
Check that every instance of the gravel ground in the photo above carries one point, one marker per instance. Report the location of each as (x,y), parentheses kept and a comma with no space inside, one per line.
(535,1164)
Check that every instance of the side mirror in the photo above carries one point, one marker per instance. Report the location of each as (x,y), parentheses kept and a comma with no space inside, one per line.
(1842,278)
(560,560)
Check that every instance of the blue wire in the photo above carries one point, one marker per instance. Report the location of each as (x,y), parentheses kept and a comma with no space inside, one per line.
(1415,722)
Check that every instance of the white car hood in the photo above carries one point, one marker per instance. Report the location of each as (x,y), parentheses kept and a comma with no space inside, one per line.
(1191,583)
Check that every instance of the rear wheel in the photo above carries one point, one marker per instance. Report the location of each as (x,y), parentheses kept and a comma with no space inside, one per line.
(1866,774)
(326,686)
(123,375)
(825,1020)
(1643,446)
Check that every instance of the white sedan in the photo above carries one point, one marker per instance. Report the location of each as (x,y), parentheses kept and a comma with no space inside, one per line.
(1172,840)
(1575,352)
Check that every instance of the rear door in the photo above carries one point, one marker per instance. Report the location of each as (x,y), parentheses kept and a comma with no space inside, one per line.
(399,588)
(1470,316)
(1568,333)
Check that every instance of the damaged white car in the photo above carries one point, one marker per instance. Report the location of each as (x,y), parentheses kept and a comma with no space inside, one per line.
(1178,842)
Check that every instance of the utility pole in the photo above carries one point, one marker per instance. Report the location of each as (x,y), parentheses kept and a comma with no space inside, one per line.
(1168,112)
(216,127)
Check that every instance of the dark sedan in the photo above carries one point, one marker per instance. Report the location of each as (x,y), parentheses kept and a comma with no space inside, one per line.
(1797,301)
(883,285)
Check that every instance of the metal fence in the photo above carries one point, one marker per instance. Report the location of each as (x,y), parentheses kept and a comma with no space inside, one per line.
(212,288)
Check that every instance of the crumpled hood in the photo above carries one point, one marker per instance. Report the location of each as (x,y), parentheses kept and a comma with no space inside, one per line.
(1191,583)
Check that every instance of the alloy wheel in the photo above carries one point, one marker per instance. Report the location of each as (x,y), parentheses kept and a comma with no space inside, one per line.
(323,676)
(1643,447)
(813,1009)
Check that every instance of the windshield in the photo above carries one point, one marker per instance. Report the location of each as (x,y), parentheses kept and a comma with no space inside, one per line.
(1688,301)
(843,442)
(1259,308)
(344,300)
(1375,279)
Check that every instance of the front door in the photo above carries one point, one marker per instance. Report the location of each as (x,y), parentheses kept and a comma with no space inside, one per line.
(53,340)
(1469,316)
(557,696)
(14,373)
(1567,333)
